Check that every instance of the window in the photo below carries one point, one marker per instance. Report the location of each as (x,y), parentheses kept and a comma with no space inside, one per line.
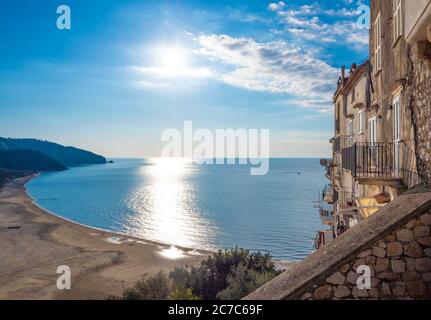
(353,95)
(350,128)
(378,43)
(361,121)
(397,119)
(397,21)
(372,129)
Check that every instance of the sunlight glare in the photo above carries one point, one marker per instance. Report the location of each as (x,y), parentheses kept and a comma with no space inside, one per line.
(173,58)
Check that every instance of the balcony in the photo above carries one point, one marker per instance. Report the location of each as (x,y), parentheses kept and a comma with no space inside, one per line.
(326,212)
(328,194)
(345,199)
(342,142)
(381,163)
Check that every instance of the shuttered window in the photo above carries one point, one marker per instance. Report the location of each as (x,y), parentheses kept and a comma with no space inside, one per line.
(350,128)
(361,121)
(372,130)
(397,119)
(378,43)
(397,21)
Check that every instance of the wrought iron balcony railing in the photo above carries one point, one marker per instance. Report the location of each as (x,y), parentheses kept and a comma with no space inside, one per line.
(342,142)
(381,160)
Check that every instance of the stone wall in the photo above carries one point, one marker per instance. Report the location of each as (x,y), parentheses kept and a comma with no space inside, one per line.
(419,89)
(395,243)
(400,267)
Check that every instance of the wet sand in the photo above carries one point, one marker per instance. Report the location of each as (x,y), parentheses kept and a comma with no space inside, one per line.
(33,243)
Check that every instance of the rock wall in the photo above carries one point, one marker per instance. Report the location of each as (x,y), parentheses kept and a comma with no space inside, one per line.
(419,89)
(400,267)
(394,244)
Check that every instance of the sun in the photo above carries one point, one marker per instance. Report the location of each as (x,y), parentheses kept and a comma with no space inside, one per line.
(173,58)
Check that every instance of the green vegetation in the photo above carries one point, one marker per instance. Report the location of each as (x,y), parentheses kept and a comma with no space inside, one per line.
(68,156)
(6,175)
(152,288)
(226,275)
(28,160)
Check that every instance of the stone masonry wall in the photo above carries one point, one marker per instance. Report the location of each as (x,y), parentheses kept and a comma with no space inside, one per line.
(400,267)
(419,89)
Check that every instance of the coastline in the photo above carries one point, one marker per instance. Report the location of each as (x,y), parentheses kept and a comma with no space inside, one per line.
(102,263)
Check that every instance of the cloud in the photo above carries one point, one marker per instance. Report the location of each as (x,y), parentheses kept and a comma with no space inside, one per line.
(314,23)
(274,67)
(152,85)
(275,6)
(187,73)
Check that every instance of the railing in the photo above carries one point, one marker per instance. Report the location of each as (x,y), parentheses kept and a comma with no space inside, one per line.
(381,160)
(326,211)
(342,142)
(327,216)
(345,199)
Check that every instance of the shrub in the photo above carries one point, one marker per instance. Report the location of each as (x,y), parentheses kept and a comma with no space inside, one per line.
(183,294)
(151,288)
(214,273)
(228,275)
(242,281)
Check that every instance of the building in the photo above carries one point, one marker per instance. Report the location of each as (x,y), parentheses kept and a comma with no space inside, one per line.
(382,119)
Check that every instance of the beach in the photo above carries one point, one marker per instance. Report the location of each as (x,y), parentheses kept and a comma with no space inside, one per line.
(34,243)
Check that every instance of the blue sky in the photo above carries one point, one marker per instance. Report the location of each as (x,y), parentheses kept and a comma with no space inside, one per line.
(127,70)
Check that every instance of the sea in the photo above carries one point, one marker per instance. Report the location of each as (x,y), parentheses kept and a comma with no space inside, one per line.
(199,206)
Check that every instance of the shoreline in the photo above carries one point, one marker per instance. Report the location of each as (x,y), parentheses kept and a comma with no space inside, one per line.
(103,263)
(96,229)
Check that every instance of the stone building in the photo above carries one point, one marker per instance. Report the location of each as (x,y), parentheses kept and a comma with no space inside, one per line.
(382,112)
(378,201)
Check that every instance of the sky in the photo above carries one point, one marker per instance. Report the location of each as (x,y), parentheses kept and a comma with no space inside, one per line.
(128,70)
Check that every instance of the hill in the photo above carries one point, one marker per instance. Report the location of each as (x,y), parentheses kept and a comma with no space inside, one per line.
(68,156)
(28,160)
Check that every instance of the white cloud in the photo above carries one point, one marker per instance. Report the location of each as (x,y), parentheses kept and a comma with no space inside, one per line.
(186,73)
(152,85)
(272,67)
(306,22)
(275,6)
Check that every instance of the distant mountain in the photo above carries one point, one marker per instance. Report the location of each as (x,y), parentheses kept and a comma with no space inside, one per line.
(28,160)
(68,156)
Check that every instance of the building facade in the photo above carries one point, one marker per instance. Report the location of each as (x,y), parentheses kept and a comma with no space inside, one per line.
(382,119)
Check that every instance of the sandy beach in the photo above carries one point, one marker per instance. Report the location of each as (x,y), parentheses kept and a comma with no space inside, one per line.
(34,243)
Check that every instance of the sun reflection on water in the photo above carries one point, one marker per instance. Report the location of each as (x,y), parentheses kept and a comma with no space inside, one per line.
(165,205)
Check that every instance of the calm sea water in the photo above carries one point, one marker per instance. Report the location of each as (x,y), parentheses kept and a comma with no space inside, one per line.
(198,206)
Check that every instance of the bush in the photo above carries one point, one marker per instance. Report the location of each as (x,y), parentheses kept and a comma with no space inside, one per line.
(226,275)
(220,271)
(151,288)
(183,294)
(242,281)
